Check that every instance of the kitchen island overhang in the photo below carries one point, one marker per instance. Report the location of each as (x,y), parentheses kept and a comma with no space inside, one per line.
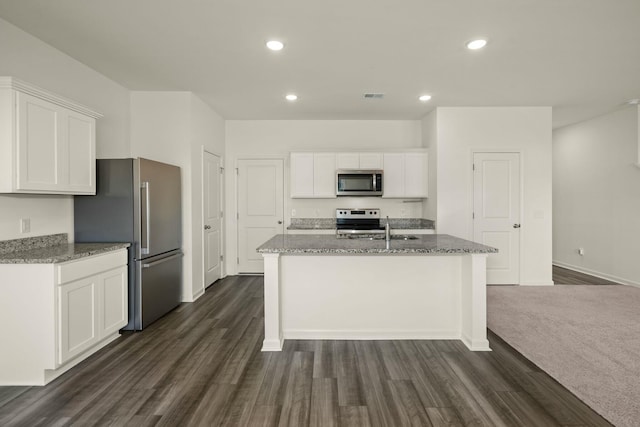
(320,287)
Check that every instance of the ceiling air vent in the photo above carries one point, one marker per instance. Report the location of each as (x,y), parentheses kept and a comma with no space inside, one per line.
(374,95)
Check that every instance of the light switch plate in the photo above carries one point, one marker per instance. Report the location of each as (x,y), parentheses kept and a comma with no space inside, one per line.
(25,225)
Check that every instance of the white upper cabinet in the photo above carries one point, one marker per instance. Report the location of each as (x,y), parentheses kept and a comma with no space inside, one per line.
(324,175)
(359,160)
(348,160)
(313,175)
(370,160)
(47,143)
(393,178)
(405,175)
(301,176)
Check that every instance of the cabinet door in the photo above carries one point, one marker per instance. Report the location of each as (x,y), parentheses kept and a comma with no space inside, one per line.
(113,301)
(415,175)
(38,144)
(393,180)
(77,317)
(55,148)
(370,160)
(301,175)
(348,160)
(81,165)
(324,175)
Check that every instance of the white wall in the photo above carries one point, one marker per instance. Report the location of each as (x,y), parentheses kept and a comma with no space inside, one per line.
(276,138)
(27,58)
(207,132)
(173,127)
(596,196)
(524,129)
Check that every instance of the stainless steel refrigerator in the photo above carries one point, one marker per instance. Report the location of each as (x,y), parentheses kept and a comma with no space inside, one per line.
(138,201)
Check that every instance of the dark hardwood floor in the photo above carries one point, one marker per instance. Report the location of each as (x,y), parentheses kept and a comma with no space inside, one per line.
(564,276)
(202,365)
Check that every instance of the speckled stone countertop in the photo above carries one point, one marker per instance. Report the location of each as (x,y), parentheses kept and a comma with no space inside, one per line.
(428,244)
(27,243)
(312,224)
(50,250)
(330,223)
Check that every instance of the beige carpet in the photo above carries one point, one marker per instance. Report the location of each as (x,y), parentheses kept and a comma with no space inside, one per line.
(586,337)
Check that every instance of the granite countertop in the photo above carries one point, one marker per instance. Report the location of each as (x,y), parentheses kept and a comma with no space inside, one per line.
(312,224)
(428,244)
(330,223)
(51,249)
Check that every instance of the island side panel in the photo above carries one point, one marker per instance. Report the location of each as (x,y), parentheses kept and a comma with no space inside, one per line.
(474,302)
(384,297)
(272,315)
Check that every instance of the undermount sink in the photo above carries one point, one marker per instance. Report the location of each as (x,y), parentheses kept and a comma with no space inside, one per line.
(381,237)
(403,237)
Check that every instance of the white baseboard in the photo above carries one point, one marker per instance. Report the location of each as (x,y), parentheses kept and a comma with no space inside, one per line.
(475,345)
(197,295)
(272,345)
(51,374)
(605,276)
(551,283)
(295,334)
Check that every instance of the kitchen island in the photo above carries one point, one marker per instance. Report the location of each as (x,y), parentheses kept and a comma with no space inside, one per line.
(322,287)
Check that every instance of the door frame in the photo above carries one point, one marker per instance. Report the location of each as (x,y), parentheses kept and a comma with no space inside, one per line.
(223,270)
(521,154)
(236,191)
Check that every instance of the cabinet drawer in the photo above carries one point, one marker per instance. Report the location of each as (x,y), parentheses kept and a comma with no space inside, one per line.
(77,269)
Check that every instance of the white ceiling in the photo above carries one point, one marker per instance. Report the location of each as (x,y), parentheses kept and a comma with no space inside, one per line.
(582,57)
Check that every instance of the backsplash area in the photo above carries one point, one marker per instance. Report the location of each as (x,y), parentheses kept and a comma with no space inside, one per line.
(330,223)
(326,208)
(47,214)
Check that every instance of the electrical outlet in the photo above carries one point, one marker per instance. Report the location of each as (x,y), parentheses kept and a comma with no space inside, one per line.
(293,213)
(580,251)
(25,225)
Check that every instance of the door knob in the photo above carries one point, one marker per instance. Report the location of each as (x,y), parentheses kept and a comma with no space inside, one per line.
(279,222)
(516,225)
(207,227)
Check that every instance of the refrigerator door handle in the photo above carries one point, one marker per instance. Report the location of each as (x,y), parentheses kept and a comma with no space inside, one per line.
(146,215)
(160,261)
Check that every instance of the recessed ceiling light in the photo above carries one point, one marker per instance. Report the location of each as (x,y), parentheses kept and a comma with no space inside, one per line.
(476,44)
(275,45)
(424,98)
(291,97)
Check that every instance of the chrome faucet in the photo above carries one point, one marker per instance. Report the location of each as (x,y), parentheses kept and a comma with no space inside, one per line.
(387,230)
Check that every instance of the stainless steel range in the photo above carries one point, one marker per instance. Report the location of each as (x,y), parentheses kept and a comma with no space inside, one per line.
(358,223)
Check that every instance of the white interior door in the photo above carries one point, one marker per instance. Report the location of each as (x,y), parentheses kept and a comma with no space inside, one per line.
(260,209)
(496,216)
(212,215)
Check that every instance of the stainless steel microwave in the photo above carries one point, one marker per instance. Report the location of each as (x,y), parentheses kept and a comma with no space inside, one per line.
(359,182)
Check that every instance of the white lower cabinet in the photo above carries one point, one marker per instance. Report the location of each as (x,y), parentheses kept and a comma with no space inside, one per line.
(90,309)
(77,318)
(57,315)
